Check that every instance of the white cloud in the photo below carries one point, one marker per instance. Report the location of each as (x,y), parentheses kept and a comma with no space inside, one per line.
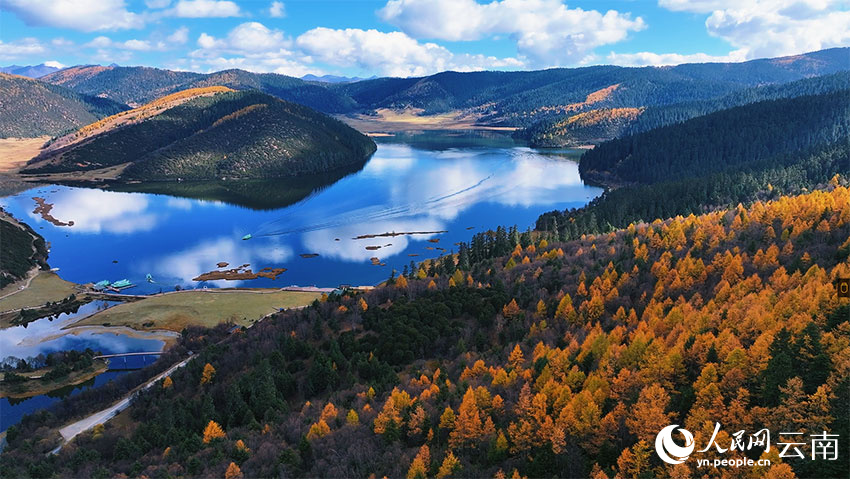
(54,64)
(277,10)
(768,28)
(97,211)
(179,37)
(246,38)
(103,43)
(83,15)
(641,59)
(206,9)
(250,46)
(20,48)
(392,53)
(138,45)
(157,3)
(545,31)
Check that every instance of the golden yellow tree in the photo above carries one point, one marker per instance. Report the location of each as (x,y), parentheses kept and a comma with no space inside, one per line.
(511,309)
(468,423)
(565,310)
(352,418)
(516,359)
(167,383)
(450,465)
(363,305)
(329,412)
(447,419)
(233,472)
(317,430)
(212,431)
(401,282)
(419,466)
(647,416)
(208,374)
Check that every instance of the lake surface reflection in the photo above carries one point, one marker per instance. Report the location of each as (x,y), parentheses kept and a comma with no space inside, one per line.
(458,183)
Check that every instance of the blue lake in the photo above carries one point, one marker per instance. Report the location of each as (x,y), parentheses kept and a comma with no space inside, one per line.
(459,184)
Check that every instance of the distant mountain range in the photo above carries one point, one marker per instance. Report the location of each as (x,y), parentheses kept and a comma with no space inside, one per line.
(209,133)
(555,107)
(518,99)
(334,78)
(30,71)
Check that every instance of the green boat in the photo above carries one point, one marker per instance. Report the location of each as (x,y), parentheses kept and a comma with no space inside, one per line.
(124,283)
(247,236)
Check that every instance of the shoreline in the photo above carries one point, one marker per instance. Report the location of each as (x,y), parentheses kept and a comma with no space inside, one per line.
(39,388)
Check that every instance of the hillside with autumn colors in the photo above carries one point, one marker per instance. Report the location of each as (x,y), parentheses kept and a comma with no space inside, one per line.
(519,356)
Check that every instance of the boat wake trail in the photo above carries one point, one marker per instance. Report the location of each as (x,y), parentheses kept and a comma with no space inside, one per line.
(345,213)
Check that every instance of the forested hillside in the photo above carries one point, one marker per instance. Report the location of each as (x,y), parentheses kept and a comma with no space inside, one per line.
(522,356)
(23,249)
(520,98)
(232,134)
(572,129)
(723,140)
(31,108)
(732,156)
(139,85)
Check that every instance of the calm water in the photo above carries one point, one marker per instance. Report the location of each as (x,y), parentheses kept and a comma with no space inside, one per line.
(428,183)
(460,183)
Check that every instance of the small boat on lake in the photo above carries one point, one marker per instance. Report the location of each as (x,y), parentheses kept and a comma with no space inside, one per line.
(120,285)
(247,237)
(149,278)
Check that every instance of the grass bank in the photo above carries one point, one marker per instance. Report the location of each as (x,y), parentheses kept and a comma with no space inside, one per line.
(174,311)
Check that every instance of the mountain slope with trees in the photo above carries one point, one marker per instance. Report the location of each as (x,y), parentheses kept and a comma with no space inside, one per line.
(31,108)
(244,134)
(757,151)
(570,129)
(521,356)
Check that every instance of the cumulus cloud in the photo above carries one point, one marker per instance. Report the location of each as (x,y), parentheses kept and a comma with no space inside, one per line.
(206,9)
(547,32)
(179,37)
(250,46)
(767,28)
(103,43)
(83,15)
(641,59)
(246,38)
(277,10)
(20,48)
(392,53)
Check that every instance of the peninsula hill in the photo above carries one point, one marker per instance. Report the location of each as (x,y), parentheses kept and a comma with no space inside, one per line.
(209,133)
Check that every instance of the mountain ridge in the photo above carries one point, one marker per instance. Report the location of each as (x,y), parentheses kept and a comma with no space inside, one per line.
(214,132)
(497,98)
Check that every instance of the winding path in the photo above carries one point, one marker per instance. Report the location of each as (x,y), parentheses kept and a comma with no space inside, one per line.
(72,430)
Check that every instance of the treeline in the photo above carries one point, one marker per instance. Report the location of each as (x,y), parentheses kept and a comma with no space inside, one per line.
(23,249)
(559,130)
(723,140)
(733,156)
(658,116)
(550,359)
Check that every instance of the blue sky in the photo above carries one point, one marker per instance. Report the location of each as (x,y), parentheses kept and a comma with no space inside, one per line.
(412,37)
